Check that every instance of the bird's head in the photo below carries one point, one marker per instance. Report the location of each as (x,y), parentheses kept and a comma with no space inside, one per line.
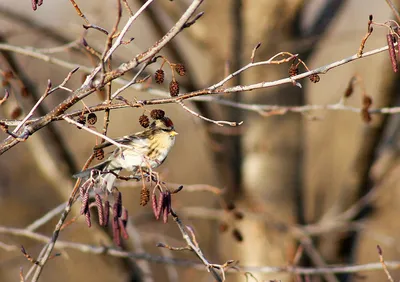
(164,124)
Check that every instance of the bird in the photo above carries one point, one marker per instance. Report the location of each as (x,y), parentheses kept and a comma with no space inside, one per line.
(149,149)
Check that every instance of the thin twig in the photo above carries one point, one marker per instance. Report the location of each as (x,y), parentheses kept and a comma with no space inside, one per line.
(6,95)
(46,218)
(384,266)
(394,10)
(194,247)
(46,93)
(116,252)
(46,251)
(217,122)
(117,43)
(71,121)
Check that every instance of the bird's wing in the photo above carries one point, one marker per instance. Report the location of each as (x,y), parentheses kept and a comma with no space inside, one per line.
(86,173)
(125,140)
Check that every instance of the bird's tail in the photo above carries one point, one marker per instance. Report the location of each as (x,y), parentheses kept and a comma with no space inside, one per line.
(107,178)
(86,173)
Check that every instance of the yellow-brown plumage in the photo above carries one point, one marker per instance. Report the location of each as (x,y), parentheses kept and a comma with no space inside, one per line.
(149,148)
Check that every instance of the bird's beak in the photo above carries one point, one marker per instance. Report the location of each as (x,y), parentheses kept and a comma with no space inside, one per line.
(173,133)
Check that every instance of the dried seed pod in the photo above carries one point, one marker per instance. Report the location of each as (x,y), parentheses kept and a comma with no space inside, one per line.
(165,215)
(154,205)
(174,88)
(82,192)
(166,206)
(159,76)
(91,118)
(100,211)
(180,69)
(392,53)
(293,70)
(116,231)
(237,235)
(99,154)
(144,121)
(106,213)
(122,227)
(160,207)
(157,114)
(124,216)
(168,203)
(87,218)
(144,196)
(117,209)
(85,202)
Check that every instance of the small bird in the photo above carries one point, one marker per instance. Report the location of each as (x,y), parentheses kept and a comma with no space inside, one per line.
(149,150)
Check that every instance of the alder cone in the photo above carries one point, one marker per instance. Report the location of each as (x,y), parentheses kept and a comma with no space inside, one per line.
(159,76)
(174,88)
(157,114)
(180,69)
(99,154)
(314,78)
(91,118)
(144,121)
